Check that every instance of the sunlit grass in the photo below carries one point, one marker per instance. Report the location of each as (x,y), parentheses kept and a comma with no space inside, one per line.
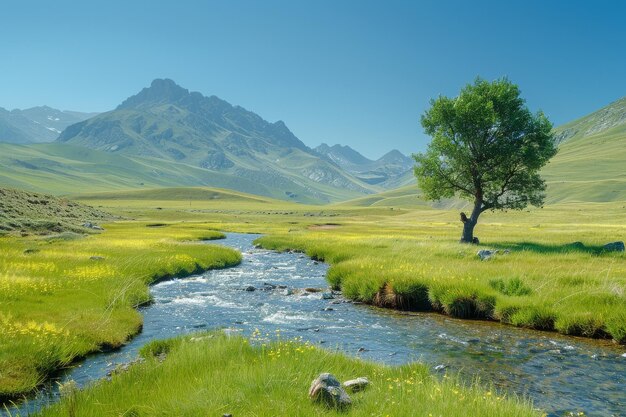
(213,374)
(545,282)
(409,257)
(58,303)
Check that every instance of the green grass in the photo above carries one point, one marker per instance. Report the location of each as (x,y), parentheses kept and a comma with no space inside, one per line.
(554,278)
(59,168)
(589,168)
(213,374)
(545,282)
(23,212)
(57,304)
(405,258)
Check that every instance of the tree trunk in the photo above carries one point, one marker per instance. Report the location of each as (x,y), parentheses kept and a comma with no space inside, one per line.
(468,232)
(470,223)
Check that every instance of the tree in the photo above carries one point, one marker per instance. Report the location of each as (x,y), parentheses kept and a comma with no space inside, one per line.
(486,147)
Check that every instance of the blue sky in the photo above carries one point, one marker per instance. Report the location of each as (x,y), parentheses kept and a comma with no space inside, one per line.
(352,72)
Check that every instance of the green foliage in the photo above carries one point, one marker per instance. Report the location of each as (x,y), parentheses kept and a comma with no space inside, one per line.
(212,374)
(486,147)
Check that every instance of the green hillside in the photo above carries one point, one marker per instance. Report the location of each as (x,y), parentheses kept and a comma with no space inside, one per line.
(591,159)
(26,212)
(181,194)
(66,169)
(169,123)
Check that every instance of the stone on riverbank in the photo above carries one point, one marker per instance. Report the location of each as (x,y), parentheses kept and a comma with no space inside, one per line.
(327,389)
(357,384)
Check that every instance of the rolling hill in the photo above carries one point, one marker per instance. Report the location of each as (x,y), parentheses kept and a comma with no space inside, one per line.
(67,169)
(27,212)
(591,159)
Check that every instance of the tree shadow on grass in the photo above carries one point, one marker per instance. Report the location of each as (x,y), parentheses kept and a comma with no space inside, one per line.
(574,247)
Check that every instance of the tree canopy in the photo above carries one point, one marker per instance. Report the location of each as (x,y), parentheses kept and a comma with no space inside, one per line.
(486,147)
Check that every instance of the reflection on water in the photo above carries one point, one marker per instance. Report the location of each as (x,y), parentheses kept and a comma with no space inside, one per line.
(560,374)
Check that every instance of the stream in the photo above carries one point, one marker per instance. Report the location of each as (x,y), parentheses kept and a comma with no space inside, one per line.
(560,374)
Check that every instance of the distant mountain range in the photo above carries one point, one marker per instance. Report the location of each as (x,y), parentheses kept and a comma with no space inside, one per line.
(167,136)
(37,124)
(167,122)
(388,171)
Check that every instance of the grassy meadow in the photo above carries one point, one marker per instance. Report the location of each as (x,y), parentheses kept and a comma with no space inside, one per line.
(57,303)
(213,374)
(412,261)
(555,277)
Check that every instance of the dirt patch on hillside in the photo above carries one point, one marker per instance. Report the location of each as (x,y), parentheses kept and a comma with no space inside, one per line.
(327,226)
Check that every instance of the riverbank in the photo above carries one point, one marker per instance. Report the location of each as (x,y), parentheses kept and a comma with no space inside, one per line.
(542,283)
(550,272)
(213,373)
(66,295)
(547,368)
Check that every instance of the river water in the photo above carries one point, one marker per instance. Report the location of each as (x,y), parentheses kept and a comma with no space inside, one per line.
(560,374)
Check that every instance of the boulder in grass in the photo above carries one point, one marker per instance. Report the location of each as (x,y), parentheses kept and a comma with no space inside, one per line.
(486,254)
(326,389)
(614,247)
(357,384)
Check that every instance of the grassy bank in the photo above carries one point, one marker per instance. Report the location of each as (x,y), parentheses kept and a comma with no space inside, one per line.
(212,374)
(546,282)
(407,256)
(63,296)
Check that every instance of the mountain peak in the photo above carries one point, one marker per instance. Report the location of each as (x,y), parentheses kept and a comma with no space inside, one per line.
(394,153)
(161,90)
(342,154)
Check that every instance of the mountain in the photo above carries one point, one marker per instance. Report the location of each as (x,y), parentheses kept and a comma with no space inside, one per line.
(37,124)
(389,171)
(344,156)
(168,123)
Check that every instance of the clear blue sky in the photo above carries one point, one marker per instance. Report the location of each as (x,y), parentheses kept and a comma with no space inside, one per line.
(351,72)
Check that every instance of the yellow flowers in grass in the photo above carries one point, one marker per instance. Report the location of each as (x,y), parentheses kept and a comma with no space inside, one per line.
(92,272)
(64,298)
(32,328)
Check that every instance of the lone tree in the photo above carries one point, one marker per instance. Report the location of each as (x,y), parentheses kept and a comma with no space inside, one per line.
(486,147)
